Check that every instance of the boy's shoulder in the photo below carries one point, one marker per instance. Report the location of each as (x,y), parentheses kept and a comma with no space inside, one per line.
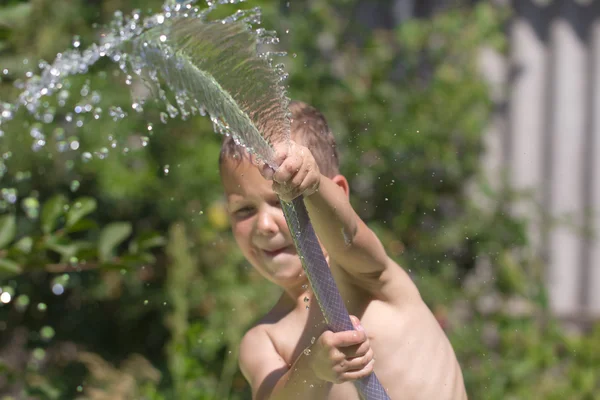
(258,347)
(260,330)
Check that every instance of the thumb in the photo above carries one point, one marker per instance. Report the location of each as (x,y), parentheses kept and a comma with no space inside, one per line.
(356,323)
(266,171)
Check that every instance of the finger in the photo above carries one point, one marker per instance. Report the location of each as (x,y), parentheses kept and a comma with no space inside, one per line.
(349,338)
(281,151)
(266,171)
(299,178)
(288,169)
(358,363)
(355,375)
(356,322)
(357,350)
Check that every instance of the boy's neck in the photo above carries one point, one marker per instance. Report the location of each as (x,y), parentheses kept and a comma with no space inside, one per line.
(299,296)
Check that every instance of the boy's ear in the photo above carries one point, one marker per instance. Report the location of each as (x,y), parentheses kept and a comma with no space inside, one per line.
(342,182)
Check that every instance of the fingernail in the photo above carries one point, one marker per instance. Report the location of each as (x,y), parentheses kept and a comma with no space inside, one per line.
(268,172)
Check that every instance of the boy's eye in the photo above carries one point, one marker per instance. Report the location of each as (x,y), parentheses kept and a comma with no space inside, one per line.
(243,212)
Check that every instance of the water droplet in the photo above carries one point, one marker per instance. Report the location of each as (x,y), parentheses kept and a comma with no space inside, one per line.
(5,297)
(166,169)
(102,153)
(9,195)
(76,42)
(164,117)
(80,388)
(42,307)
(116,113)
(163,38)
(306,299)
(145,302)
(144,140)
(86,156)
(58,289)
(312,340)
(307,352)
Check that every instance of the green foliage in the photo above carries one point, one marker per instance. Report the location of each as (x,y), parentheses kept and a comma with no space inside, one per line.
(124,279)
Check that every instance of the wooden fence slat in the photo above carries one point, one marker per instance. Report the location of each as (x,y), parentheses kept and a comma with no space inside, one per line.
(594,289)
(568,132)
(526,102)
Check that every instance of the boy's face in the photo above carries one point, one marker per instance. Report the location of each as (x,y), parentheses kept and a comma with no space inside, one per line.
(258,224)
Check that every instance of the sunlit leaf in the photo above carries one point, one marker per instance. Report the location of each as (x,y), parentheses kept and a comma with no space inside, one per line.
(111,236)
(52,210)
(25,244)
(79,209)
(8,229)
(16,15)
(9,267)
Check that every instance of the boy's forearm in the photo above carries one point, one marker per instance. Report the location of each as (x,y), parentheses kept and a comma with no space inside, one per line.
(332,216)
(299,383)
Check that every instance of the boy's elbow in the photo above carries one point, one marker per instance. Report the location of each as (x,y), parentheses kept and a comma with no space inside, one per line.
(349,235)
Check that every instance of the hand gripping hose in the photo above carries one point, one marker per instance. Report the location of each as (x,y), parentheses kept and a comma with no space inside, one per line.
(323,285)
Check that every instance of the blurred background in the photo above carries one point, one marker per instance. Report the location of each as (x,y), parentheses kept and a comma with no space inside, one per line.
(469,131)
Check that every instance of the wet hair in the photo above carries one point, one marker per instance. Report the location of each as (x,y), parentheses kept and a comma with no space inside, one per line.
(308,128)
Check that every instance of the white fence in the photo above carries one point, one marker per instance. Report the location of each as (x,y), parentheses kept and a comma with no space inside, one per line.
(548,139)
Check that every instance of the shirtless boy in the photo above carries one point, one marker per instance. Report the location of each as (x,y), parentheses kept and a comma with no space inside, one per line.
(290,354)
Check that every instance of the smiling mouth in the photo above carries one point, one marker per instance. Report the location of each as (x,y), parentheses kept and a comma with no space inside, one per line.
(273,253)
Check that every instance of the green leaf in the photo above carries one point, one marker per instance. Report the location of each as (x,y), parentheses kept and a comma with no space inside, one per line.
(65,250)
(155,241)
(8,229)
(111,236)
(80,208)
(9,267)
(147,241)
(14,16)
(25,244)
(83,225)
(51,211)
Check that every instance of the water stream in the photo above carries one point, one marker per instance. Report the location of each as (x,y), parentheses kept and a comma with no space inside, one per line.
(216,67)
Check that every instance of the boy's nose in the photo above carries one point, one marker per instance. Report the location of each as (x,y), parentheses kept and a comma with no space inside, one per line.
(266,223)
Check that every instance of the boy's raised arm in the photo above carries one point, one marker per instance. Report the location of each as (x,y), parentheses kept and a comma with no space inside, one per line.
(346,237)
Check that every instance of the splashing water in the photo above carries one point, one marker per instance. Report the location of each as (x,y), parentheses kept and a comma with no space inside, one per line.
(204,63)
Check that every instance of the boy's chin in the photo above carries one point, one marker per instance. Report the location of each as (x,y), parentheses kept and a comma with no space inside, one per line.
(286,272)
